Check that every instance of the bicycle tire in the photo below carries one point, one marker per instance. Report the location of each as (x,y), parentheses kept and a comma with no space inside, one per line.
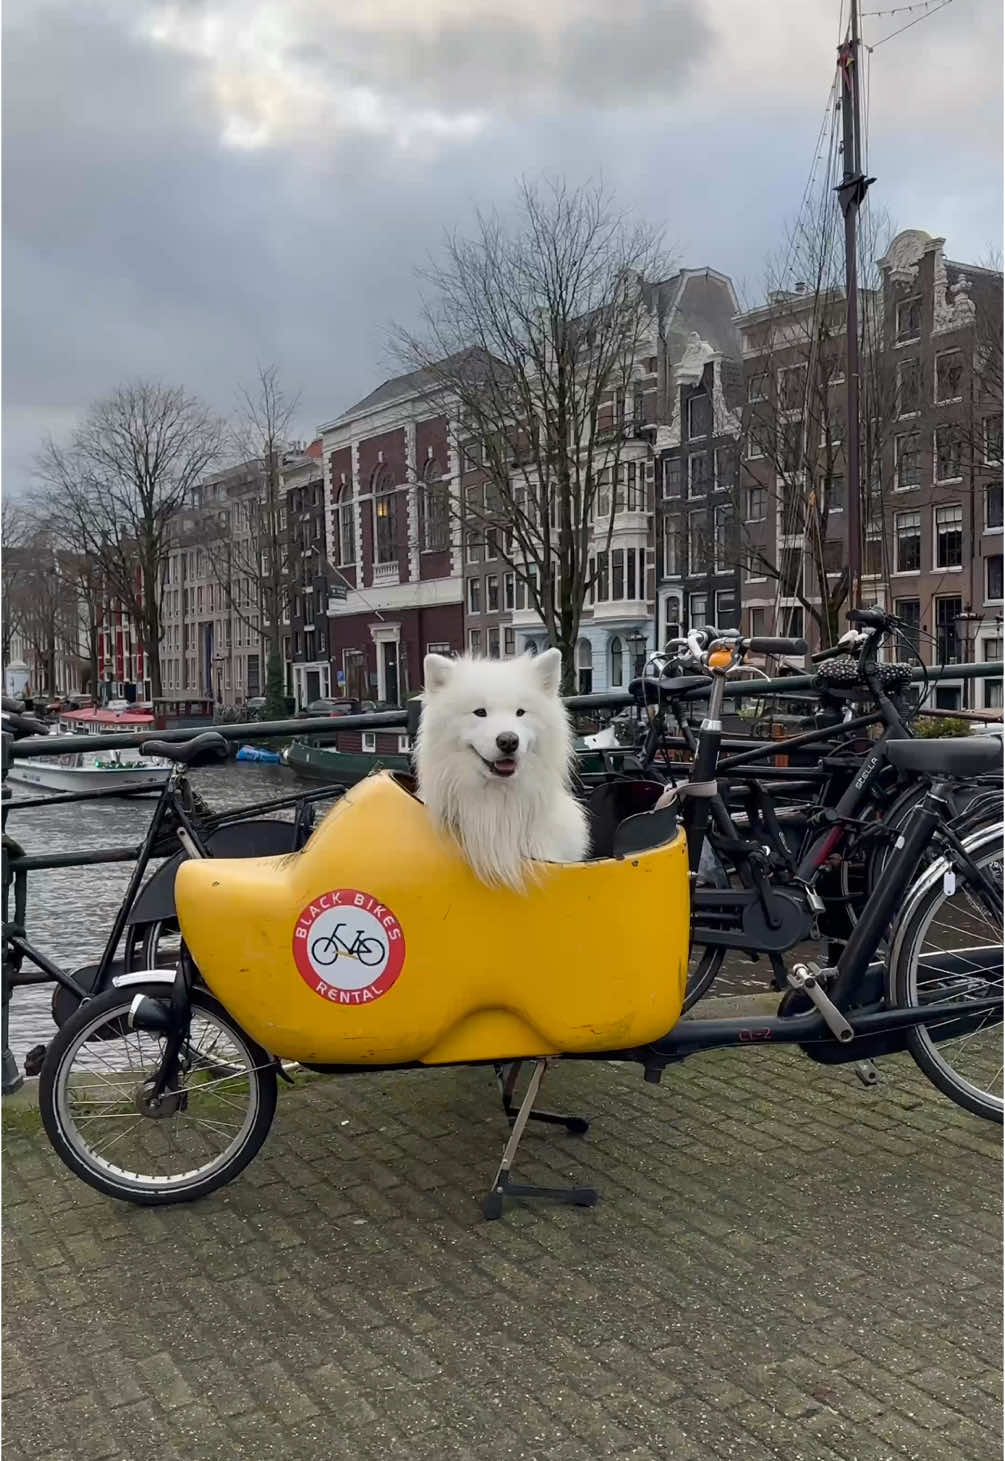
(55,1098)
(702,976)
(907,989)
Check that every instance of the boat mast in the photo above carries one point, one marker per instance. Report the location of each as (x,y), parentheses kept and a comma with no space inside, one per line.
(851,193)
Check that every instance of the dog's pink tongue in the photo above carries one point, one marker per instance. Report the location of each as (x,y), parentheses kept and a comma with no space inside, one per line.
(504,766)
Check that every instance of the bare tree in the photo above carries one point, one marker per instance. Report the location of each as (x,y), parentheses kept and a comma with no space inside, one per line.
(529,336)
(117,487)
(249,552)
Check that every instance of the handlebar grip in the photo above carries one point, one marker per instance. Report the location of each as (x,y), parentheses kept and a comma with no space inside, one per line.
(768,644)
(832,653)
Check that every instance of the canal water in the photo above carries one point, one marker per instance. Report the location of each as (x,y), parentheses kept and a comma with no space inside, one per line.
(70,910)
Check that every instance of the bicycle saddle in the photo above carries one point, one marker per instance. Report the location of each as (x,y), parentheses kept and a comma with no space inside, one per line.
(199,751)
(958,756)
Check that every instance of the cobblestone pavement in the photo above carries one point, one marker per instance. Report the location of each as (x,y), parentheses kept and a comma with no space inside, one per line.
(782,1265)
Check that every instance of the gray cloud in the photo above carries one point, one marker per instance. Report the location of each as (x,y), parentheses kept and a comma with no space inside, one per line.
(192,189)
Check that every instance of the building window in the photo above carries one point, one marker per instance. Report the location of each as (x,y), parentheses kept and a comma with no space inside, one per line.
(474,641)
(509,641)
(584,667)
(993,578)
(991,653)
(949,536)
(791,387)
(908,320)
(698,610)
(993,440)
(909,612)
(725,468)
(834,554)
(757,504)
(833,495)
(492,594)
(790,581)
(725,609)
(792,622)
(908,542)
(492,637)
(754,448)
(908,387)
(993,506)
(696,554)
(948,376)
(790,447)
(671,548)
(369,740)
(948,454)
(758,623)
(873,565)
(617,574)
(671,618)
(947,638)
(384,503)
(474,595)
(757,386)
(907,460)
(434,511)
(722,519)
(699,417)
(509,590)
(617,662)
(947,697)
(698,474)
(672,469)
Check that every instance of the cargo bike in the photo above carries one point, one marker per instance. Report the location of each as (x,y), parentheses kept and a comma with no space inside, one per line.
(375,948)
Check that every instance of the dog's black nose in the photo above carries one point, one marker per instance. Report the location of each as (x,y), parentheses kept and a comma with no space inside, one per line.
(507,742)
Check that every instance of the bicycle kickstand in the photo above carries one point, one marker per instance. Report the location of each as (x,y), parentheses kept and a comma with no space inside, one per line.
(507,1074)
(503,1186)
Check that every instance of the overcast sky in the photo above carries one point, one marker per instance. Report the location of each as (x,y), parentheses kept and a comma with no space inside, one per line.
(193,188)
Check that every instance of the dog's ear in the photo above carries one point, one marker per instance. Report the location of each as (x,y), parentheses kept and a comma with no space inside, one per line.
(548,668)
(436,671)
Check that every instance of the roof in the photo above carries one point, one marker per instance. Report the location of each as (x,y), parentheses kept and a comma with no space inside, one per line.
(403,387)
(108,717)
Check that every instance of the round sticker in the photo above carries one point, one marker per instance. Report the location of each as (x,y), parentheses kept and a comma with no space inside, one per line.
(348,946)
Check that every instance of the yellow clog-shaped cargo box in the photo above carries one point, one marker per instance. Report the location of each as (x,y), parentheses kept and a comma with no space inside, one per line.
(377,945)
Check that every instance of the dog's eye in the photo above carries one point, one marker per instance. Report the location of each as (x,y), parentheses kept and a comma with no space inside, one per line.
(482,713)
(519,712)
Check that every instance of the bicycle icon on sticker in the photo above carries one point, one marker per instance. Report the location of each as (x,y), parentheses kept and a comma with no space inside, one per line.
(370,951)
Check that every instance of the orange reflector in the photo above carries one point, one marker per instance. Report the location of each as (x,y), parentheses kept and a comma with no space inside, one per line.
(720,659)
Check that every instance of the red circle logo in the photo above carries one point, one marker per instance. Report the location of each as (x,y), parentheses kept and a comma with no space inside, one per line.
(348,946)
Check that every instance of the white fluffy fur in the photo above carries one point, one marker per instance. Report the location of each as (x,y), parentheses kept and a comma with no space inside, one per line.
(499,822)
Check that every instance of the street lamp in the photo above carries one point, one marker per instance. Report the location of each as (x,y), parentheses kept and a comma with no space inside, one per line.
(637,642)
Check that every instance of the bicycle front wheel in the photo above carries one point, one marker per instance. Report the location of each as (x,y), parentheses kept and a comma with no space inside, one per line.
(948,947)
(97,1107)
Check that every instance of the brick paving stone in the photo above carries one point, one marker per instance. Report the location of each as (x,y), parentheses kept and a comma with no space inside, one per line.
(783,1266)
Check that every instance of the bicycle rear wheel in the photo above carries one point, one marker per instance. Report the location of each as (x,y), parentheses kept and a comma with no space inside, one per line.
(948,946)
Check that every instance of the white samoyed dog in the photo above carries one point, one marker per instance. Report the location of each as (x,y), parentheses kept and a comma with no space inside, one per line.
(493,755)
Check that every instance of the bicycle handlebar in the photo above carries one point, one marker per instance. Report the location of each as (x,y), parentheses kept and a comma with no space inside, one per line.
(769,644)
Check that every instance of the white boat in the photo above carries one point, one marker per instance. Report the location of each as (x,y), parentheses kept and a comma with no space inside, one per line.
(97,770)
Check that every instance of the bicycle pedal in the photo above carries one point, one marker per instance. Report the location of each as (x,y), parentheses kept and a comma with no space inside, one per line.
(866,1072)
(806,979)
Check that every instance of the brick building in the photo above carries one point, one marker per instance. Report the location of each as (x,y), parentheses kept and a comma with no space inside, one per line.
(305,630)
(393,542)
(931,475)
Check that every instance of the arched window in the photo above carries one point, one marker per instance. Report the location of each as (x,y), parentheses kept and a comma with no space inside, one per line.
(434,509)
(345,526)
(617,662)
(385,535)
(584,667)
